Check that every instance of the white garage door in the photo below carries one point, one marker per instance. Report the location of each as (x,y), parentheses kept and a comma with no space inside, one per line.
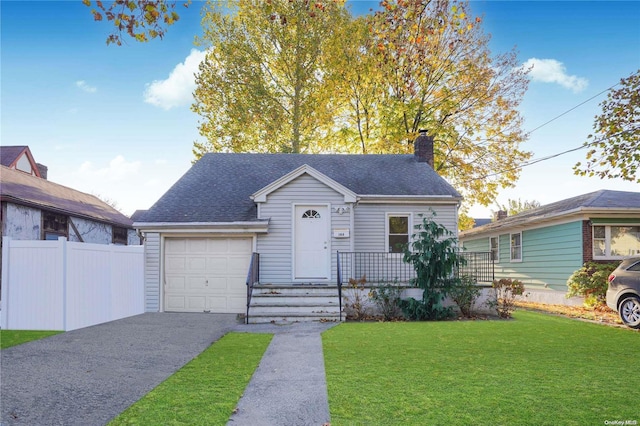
(206,274)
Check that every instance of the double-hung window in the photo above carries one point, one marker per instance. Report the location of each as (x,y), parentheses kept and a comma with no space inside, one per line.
(516,247)
(494,243)
(398,226)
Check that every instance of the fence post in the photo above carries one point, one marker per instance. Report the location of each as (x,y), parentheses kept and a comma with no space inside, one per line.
(4,292)
(62,247)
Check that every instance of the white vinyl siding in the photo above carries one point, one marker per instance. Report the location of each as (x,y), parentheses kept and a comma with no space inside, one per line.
(370,222)
(152,272)
(275,248)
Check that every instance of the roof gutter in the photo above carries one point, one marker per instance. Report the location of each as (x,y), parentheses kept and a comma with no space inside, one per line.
(198,227)
(414,199)
(495,226)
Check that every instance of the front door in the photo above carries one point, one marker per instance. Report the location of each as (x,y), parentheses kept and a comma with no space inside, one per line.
(312,253)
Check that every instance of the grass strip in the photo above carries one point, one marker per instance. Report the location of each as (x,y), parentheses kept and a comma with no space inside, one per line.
(10,338)
(206,390)
(537,369)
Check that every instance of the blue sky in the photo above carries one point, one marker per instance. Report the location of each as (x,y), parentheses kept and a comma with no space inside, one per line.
(115,121)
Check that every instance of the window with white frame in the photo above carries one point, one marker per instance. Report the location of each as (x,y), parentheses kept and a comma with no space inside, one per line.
(516,247)
(615,241)
(397,232)
(494,247)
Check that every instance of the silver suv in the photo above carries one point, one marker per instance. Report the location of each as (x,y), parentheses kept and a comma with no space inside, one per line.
(623,294)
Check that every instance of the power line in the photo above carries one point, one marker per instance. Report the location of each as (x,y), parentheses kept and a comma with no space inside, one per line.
(579,105)
(569,110)
(564,113)
(549,157)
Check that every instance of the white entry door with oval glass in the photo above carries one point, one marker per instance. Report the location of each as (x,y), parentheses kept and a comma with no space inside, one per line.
(312,255)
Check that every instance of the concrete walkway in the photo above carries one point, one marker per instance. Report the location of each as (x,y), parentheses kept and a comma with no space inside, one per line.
(289,385)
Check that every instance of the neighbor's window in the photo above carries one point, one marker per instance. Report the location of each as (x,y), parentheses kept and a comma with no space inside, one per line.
(397,232)
(54,226)
(119,235)
(516,247)
(613,241)
(495,253)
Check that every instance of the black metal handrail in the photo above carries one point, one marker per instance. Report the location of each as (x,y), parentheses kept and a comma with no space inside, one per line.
(253,276)
(381,267)
(377,267)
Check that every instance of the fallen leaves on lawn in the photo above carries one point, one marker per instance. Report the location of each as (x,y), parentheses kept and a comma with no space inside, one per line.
(600,314)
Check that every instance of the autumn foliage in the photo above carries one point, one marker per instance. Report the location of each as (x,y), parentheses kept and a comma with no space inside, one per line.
(308,77)
(615,145)
(142,20)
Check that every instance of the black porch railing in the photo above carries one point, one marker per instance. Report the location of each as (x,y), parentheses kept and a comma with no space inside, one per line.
(478,265)
(380,267)
(253,276)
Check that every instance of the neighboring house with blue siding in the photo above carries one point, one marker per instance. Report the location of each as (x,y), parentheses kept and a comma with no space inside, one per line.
(297,211)
(542,247)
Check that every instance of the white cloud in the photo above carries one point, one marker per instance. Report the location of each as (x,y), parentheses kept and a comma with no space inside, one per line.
(85,87)
(552,71)
(118,170)
(177,89)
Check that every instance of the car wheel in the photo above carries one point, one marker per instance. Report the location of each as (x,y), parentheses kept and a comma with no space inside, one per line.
(629,310)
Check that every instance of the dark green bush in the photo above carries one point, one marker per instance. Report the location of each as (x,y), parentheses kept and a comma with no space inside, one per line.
(590,281)
(435,257)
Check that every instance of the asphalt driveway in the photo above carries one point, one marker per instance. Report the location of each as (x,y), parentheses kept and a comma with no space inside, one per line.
(88,376)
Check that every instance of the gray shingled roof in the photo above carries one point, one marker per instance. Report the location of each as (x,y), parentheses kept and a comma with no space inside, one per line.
(603,199)
(218,187)
(21,188)
(8,154)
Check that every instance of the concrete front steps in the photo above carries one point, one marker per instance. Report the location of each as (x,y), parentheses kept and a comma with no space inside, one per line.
(273,303)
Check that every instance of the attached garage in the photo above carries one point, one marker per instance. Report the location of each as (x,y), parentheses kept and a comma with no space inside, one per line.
(206,274)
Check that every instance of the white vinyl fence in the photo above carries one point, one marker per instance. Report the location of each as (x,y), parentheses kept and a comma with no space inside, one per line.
(62,285)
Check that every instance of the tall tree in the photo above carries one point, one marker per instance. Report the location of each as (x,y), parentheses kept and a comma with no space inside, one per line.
(262,87)
(300,76)
(615,144)
(439,74)
(141,20)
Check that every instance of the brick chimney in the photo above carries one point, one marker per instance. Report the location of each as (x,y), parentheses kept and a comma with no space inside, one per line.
(423,148)
(500,214)
(42,169)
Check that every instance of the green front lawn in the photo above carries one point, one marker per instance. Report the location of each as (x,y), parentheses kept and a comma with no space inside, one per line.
(534,370)
(10,338)
(206,390)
